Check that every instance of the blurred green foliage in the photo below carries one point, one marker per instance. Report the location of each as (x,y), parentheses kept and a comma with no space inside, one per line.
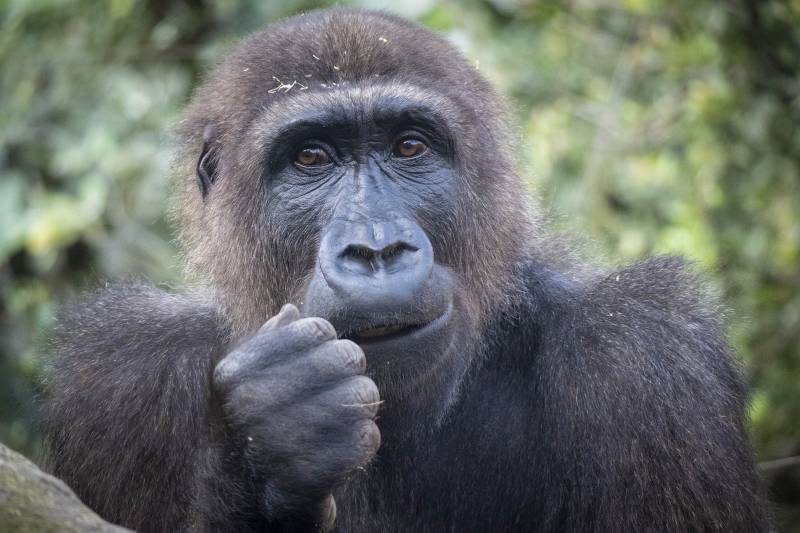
(647,126)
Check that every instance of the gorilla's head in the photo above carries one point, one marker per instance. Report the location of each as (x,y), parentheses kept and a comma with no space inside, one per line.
(358,166)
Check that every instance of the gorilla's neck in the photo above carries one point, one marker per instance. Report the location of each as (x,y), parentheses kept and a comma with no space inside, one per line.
(420,405)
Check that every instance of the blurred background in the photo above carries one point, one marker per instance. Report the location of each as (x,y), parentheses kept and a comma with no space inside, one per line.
(646,126)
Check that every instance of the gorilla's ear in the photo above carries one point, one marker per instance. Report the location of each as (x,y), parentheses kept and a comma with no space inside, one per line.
(207,164)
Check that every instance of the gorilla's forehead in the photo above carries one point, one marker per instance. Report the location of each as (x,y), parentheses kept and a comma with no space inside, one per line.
(377,103)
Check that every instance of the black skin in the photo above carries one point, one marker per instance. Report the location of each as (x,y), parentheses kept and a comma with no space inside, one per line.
(514,395)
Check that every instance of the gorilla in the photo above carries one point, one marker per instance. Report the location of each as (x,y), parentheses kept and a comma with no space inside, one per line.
(378,333)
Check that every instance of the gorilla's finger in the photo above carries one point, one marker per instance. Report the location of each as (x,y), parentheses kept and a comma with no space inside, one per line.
(325,368)
(270,347)
(357,397)
(333,359)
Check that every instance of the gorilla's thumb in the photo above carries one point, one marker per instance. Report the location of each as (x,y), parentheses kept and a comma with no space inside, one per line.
(288,314)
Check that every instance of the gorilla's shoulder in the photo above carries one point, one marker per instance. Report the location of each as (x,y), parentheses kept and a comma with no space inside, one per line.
(138,320)
(656,320)
(664,289)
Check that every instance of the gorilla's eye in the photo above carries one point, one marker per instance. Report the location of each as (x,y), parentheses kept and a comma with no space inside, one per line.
(409,147)
(311,156)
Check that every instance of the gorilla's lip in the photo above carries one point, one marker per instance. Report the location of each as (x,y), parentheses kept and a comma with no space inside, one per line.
(380,332)
(383,332)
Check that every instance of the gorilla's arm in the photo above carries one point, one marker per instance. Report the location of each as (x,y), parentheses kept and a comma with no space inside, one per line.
(128,396)
(643,411)
(158,425)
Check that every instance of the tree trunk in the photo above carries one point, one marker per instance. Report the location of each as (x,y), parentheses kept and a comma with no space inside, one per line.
(32,501)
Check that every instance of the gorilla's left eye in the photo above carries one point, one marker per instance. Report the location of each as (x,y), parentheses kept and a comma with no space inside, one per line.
(409,147)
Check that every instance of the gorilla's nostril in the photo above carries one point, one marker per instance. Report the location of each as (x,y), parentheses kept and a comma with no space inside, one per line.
(395,249)
(357,251)
(371,256)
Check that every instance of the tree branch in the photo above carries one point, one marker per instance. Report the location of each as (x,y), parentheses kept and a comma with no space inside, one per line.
(31,500)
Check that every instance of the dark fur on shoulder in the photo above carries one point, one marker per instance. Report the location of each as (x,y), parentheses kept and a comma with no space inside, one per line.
(585,401)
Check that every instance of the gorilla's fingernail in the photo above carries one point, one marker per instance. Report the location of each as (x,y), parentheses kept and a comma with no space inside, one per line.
(328,514)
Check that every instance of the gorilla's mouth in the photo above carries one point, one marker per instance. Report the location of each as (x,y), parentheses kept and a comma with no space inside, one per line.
(384,332)
(381,332)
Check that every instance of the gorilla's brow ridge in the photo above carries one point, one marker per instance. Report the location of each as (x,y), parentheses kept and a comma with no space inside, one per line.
(349,107)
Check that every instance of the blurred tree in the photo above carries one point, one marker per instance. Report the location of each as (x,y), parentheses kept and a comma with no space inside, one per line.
(649,126)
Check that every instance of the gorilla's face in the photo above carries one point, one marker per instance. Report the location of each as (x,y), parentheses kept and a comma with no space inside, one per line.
(372,181)
(372,187)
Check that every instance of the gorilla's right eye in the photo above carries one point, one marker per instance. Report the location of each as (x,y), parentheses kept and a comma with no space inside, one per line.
(409,147)
(311,156)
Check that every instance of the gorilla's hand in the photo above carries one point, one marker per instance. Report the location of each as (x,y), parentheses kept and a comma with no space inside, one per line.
(299,400)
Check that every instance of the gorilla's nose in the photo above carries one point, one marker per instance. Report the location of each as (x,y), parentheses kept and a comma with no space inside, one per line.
(377,264)
(373,274)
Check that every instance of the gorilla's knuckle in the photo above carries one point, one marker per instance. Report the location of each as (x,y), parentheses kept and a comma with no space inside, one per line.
(225,373)
(352,355)
(368,438)
(317,328)
(364,390)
